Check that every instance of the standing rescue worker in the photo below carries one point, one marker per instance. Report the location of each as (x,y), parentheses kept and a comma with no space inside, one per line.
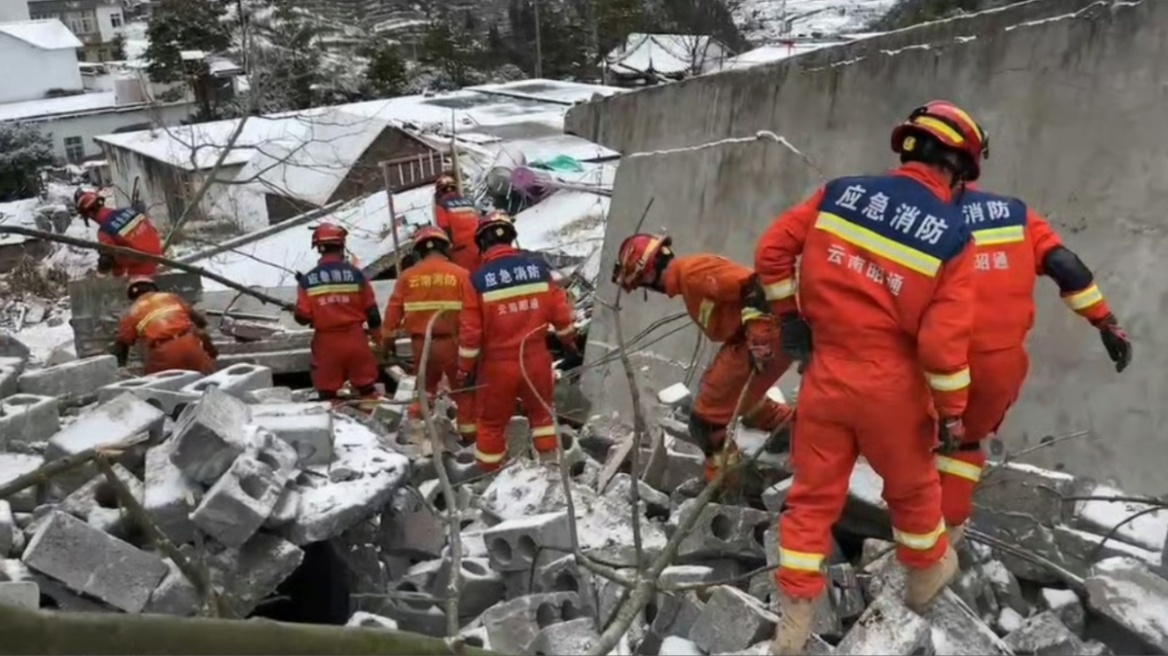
(337,300)
(513,304)
(1014,245)
(460,219)
(886,292)
(729,306)
(172,333)
(126,227)
(434,283)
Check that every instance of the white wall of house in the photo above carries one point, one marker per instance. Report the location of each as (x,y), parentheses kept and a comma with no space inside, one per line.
(110,21)
(69,134)
(13,10)
(30,72)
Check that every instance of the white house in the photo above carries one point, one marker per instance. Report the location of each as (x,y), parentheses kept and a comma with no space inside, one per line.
(39,57)
(95,22)
(653,58)
(13,10)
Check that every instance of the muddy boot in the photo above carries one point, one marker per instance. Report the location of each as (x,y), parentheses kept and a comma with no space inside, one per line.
(923,585)
(956,535)
(794,627)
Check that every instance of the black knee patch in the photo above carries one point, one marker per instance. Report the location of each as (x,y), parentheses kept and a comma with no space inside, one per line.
(707,436)
(367,390)
(326,396)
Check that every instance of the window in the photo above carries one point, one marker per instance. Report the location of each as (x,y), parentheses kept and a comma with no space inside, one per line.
(74,149)
(88,23)
(116,20)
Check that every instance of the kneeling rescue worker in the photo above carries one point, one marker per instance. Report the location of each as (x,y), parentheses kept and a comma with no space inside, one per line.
(1013,245)
(337,300)
(126,227)
(729,306)
(886,292)
(172,333)
(433,284)
(460,219)
(514,302)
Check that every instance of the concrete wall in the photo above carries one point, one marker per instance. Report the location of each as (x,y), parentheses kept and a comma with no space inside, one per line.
(30,72)
(1075,106)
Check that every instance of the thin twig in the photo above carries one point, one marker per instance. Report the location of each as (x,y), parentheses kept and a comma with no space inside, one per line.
(1072,579)
(1115,529)
(1037,447)
(63,465)
(639,431)
(160,540)
(193,204)
(454,582)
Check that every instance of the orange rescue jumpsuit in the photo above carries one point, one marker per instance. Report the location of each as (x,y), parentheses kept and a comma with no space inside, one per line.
(886,285)
(128,228)
(459,218)
(433,284)
(515,300)
(1011,243)
(168,328)
(336,299)
(712,289)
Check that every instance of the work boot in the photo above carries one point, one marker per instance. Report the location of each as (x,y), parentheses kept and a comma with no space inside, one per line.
(923,585)
(956,535)
(794,629)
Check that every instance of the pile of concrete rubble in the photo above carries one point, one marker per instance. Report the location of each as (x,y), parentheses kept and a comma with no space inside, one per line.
(242,476)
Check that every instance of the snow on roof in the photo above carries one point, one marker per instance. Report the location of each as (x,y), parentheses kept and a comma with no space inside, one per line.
(567,222)
(768,54)
(666,54)
(20,213)
(267,262)
(310,169)
(546,148)
(550,90)
(48,34)
(81,103)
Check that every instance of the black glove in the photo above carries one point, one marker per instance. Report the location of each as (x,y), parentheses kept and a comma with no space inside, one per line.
(950,433)
(301,279)
(1116,341)
(795,338)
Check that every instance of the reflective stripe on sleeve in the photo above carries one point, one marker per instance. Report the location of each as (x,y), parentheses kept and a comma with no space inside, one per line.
(998,236)
(156,314)
(800,560)
(949,382)
(544,431)
(422,306)
(919,541)
(704,311)
(468,353)
(958,468)
(489,458)
(777,291)
(1084,299)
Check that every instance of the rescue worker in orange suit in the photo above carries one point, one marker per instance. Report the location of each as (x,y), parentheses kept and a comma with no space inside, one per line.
(729,306)
(883,322)
(172,333)
(337,300)
(514,303)
(460,219)
(1014,245)
(434,283)
(126,227)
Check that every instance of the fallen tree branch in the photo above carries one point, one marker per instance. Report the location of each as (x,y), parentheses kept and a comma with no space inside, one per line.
(1037,447)
(35,632)
(1072,579)
(65,464)
(160,541)
(1115,529)
(174,264)
(453,529)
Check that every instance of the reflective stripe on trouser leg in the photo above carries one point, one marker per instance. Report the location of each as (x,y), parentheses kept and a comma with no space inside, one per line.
(497,381)
(960,472)
(544,438)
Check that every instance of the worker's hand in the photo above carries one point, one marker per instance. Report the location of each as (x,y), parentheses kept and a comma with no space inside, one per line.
(760,341)
(950,433)
(1116,341)
(301,279)
(795,338)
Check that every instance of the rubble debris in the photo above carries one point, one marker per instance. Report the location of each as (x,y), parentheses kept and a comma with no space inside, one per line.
(308,427)
(239,502)
(512,625)
(12,467)
(11,537)
(1142,525)
(1127,592)
(23,594)
(1044,635)
(237,380)
(175,595)
(732,620)
(1066,605)
(247,575)
(73,382)
(10,370)
(723,531)
(120,420)
(363,620)
(27,419)
(96,501)
(572,636)
(163,388)
(888,627)
(170,497)
(210,435)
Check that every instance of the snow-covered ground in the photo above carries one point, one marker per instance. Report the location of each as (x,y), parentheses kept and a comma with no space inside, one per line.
(766,22)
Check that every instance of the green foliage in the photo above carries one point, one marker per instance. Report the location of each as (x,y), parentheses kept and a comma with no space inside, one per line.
(563,39)
(616,19)
(23,150)
(452,50)
(177,25)
(386,73)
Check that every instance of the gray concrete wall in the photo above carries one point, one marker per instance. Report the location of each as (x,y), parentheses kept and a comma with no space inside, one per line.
(1077,106)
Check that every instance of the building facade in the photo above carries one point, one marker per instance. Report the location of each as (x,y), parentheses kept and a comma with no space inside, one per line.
(39,59)
(97,23)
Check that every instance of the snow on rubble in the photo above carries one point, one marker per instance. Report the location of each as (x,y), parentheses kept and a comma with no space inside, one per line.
(256,474)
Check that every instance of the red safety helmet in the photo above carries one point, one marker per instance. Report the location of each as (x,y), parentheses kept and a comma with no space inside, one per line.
(136,286)
(87,202)
(328,234)
(496,228)
(445,183)
(425,237)
(636,253)
(951,126)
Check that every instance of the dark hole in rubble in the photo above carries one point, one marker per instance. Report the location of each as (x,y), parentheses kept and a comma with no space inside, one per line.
(547,614)
(268,459)
(20,400)
(569,612)
(409,586)
(178,410)
(997,447)
(318,592)
(650,612)
(760,530)
(566,582)
(252,486)
(919,651)
(204,385)
(474,641)
(474,568)
(501,550)
(156,403)
(568,439)
(721,526)
(577,468)
(526,547)
(465,458)
(440,502)
(106,496)
(465,523)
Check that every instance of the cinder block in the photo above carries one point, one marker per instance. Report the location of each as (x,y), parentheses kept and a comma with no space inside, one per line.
(481,586)
(11,537)
(249,574)
(513,544)
(1044,635)
(210,435)
(15,465)
(676,614)
(418,535)
(281,457)
(564,575)
(170,497)
(679,467)
(888,627)
(1133,597)
(121,419)
(723,531)
(270,395)
(237,380)
(10,370)
(175,595)
(171,380)
(513,625)
(326,510)
(27,419)
(239,502)
(732,620)
(575,636)
(363,620)
(98,494)
(22,594)
(72,382)
(308,427)
(94,563)
(285,511)
(846,594)
(674,395)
